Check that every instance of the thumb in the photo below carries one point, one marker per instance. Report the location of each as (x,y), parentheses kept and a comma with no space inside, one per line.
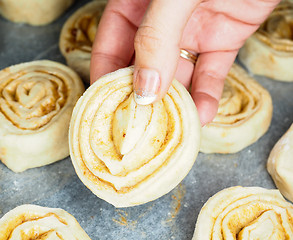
(156,46)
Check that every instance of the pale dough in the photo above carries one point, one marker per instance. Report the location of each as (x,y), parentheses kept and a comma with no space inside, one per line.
(244,115)
(34,12)
(269,51)
(245,213)
(77,36)
(35,222)
(36,102)
(129,154)
(280,164)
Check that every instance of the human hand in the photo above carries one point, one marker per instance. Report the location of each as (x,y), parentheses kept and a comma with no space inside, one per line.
(155,31)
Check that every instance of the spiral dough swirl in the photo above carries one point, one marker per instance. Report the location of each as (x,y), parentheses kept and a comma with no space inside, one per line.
(244,115)
(31,97)
(280,164)
(40,223)
(36,101)
(33,12)
(77,37)
(245,213)
(130,154)
(277,30)
(269,51)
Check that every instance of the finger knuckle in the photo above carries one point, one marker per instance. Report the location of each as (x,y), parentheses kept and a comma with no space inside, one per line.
(147,39)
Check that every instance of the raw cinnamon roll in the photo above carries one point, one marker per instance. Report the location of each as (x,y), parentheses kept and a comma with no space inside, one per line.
(77,36)
(34,12)
(280,164)
(269,51)
(244,115)
(35,222)
(36,102)
(245,213)
(129,154)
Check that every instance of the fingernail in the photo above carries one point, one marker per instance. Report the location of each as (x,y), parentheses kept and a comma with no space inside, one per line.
(146,86)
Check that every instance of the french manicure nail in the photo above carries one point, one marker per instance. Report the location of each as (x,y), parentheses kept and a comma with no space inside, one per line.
(147,82)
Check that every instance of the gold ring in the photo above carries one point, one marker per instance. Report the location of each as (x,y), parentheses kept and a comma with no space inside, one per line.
(188,56)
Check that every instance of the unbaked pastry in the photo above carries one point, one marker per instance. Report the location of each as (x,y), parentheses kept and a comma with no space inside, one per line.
(36,102)
(34,222)
(129,154)
(77,36)
(245,213)
(280,164)
(269,51)
(244,115)
(34,12)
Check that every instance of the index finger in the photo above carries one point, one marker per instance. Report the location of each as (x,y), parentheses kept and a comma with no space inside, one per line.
(113,46)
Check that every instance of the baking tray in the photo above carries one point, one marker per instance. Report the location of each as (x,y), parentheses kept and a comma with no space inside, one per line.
(172,216)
